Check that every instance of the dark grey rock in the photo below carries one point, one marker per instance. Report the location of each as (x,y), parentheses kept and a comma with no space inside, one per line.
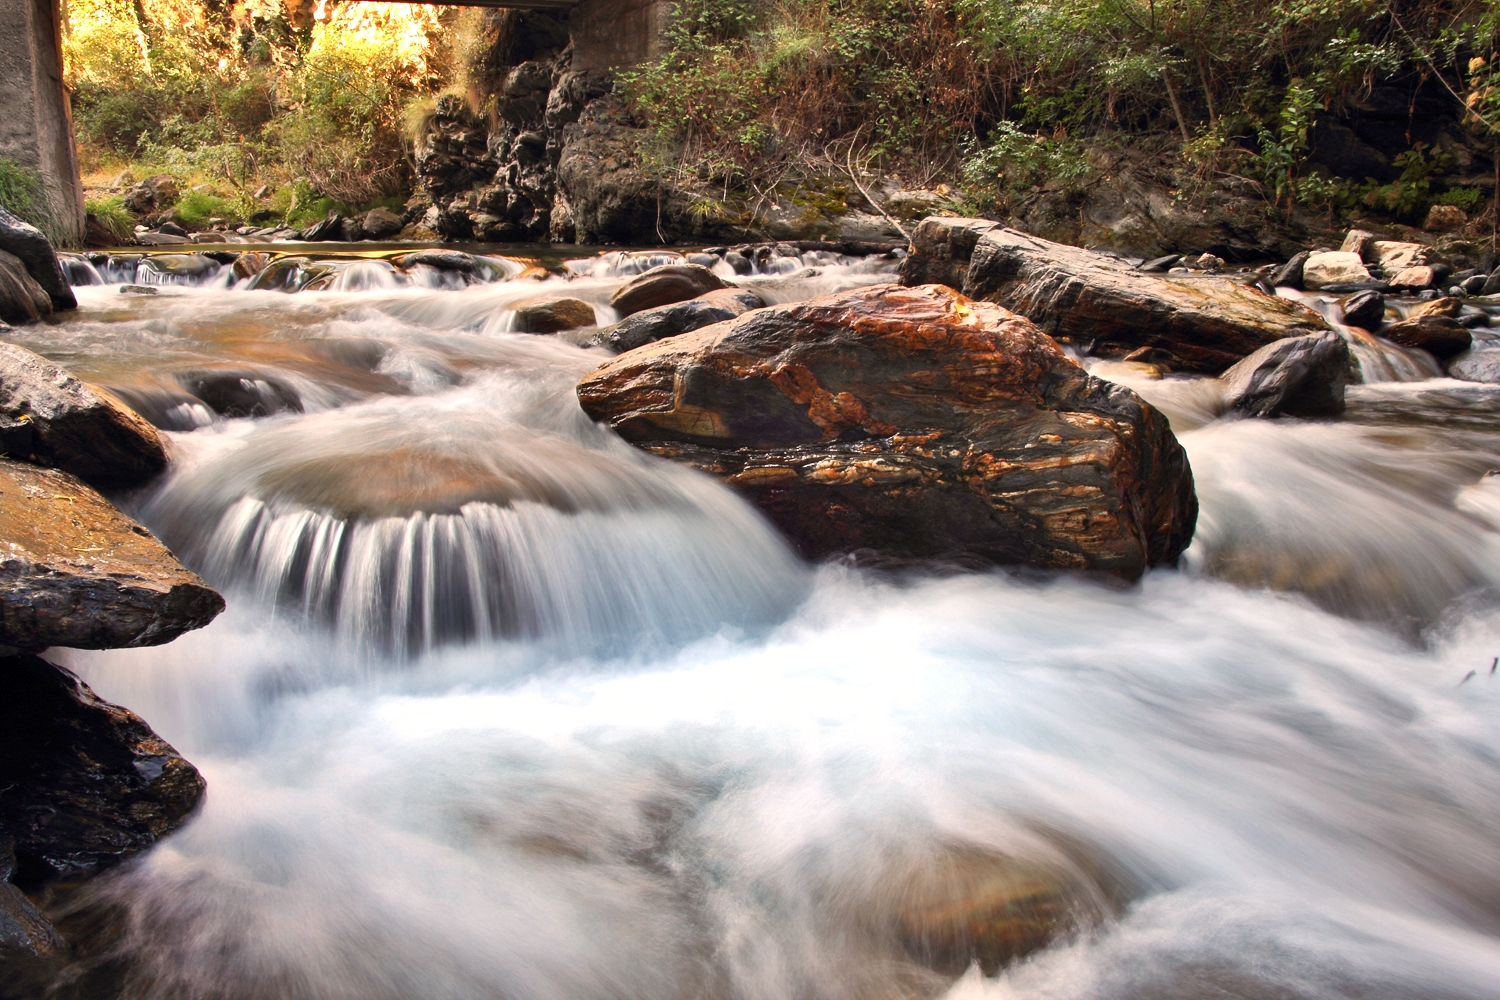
(1290,274)
(36,254)
(682,317)
(1364,309)
(1295,377)
(241,393)
(88,784)
(1479,364)
(1161,265)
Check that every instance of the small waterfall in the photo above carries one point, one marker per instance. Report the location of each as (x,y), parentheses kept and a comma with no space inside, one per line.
(1378,360)
(408,524)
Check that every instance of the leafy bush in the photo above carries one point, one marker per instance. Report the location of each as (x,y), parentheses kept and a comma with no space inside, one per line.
(1015,161)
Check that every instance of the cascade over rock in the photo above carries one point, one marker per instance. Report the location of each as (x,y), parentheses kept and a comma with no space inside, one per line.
(913,423)
(1100,303)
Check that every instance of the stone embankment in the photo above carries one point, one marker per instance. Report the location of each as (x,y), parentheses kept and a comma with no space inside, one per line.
(83,784)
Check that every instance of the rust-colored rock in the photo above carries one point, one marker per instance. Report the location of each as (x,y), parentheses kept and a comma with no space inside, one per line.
(87,784)
(1100,304)
(915,423)
(552,314)
(664,285)
(76,572)
(1438,335)
(78,428)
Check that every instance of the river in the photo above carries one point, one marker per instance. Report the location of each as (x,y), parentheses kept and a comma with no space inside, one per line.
(502,707)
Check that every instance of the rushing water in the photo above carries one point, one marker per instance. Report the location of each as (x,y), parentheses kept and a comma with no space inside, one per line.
(503,708)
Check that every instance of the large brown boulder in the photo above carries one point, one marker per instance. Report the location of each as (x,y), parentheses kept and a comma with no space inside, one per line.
(664,285)
(87,783)
(76,427)
(915,423)
(76,572)
(1101,304)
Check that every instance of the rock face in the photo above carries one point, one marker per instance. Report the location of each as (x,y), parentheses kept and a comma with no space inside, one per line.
(31,248)
(1296,377)
(76,572)
(78,428)
(664,285)
(88,783)
(915,423)
(1101,304)
(651,325)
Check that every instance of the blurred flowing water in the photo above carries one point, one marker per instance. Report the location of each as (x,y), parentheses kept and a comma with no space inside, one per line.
(504,708)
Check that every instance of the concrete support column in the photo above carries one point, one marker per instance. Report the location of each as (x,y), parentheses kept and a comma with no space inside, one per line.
(36,121)
(610,34)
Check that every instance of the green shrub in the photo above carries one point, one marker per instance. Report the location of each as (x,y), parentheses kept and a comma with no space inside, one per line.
(24,192)
(1014,161)
(195,208)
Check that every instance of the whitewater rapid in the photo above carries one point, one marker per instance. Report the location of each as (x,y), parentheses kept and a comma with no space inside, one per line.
(582,727)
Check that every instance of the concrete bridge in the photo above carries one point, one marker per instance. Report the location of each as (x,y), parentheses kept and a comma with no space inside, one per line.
(36,122)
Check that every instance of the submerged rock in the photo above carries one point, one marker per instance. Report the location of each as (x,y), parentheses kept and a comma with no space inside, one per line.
(241,393)
(1296,377)
(965,905)
(76,427)
(76,572)
(664,285)
(1100,303)
(914,423)
(552,314)
(87,783)
(650,325)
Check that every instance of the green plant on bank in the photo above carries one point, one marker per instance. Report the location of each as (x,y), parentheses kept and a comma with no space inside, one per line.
(1014,161)
(112,214)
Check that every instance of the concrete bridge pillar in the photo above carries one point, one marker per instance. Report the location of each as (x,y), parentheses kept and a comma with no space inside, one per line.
(36,122)
(611,34)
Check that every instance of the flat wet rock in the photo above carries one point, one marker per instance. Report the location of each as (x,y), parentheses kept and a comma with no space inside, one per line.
(87,783)
(76,572)
(76,427)
(914,423)
(1100,304)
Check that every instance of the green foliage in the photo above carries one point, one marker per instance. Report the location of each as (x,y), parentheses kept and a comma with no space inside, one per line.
(1408,196)
(1465,198)
(112,214)
(1015,161)
(195,208)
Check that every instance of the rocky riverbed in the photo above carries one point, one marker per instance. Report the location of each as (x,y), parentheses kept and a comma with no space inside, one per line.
(892,612)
